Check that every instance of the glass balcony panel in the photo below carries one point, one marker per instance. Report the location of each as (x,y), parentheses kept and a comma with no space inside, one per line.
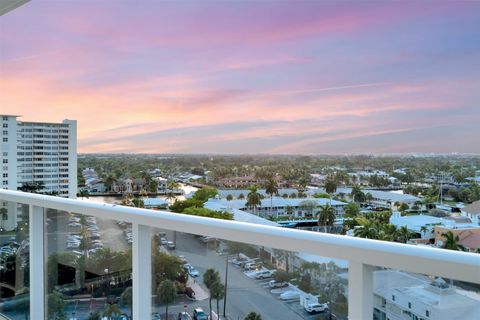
(276,284)
(14,260)
(88,266)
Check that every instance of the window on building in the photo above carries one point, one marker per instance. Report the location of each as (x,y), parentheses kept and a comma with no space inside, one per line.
(427,313)
(393,297)
(5,118)
(5,139)
(409,305)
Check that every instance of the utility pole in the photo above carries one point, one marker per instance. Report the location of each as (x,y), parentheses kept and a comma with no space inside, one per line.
(226,289)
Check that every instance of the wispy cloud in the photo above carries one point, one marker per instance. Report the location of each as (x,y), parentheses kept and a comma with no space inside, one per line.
(236,76)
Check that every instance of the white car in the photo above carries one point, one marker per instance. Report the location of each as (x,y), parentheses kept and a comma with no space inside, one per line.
(277,284)
(290,295)
(316,307)
(264,274)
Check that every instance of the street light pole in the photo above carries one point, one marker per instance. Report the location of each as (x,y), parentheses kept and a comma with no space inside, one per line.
(226,282)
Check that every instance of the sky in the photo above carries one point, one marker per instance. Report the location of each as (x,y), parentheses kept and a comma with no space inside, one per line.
(308,77)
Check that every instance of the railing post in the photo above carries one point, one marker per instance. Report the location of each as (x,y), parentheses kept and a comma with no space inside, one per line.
(37,266)
(142,272)
(360,291)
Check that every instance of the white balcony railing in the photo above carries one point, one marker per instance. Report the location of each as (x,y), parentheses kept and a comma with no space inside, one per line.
(362,254)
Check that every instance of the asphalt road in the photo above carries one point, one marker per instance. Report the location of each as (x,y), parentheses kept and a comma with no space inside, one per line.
(244,294)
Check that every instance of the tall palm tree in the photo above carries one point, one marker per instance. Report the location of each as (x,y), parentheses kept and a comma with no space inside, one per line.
(423,229)
(271,188)
(253,199)
(330,186)
(452,242)
(126,299)
(209,278)
(326,216)
(217,291)
(166,292)
(357,194)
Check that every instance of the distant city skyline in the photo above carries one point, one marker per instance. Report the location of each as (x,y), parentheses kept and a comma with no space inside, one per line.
(287,77)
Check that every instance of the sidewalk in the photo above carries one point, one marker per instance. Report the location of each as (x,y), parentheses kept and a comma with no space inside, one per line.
(200,293)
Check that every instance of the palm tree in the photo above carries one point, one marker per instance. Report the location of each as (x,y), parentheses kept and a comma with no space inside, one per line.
(253,316)
(330,186)
(253,199)
(109,181)
(452,242)
(423,229)
(209,278)
(217,292)
(111,311)
(326,216)
(368,229)
(166,292)
(357,194)
(404,234)
(126,299)
(271,188)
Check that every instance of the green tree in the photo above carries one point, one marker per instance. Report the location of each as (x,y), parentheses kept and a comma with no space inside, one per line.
(209,278)
(352,210)
(403,234)
(180,206)
(253,199)
(368,229)
(452,242)
(403,207)
(204,194)
(94,316)
(253,316)
(56,306)
(229,197)
(271,188)
(217,291)
(330,185)
(326,216)
(126,299)
(111,311)
(357,194)
(166,292)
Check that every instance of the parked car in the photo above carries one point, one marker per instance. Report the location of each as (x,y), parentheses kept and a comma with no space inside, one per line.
(250,266)
(199,314)
(290,295)
(264,274)
(316,307)
(277,284)
(170,245)
(191,270)
(163,241)
(184,316)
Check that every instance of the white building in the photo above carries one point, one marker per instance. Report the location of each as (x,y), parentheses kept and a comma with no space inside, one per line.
(39,152)
(399,295)
(282,206)
(472,211)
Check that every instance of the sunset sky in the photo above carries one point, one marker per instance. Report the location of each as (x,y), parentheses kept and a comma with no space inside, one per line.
(248,76)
